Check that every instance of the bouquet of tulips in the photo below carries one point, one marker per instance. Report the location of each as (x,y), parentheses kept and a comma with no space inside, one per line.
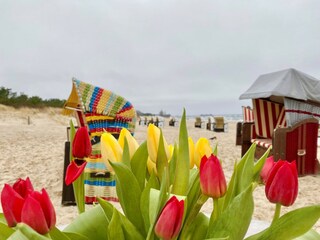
(161,190)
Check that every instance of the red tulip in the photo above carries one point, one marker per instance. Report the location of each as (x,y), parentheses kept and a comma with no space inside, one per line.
(212,179)
(12,203)
(81,145)
(268,165)
(38,212)
(282,183)
(21,204)
(74,170)
(169,223)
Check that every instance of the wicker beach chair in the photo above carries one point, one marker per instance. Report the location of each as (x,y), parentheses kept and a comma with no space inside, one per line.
(286,108)
(100,110)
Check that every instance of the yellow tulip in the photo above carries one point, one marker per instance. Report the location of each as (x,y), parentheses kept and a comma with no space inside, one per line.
(110,149)
(201,148)
(171,148)
(191,152)
(153,138)
(132,143)
(152,167)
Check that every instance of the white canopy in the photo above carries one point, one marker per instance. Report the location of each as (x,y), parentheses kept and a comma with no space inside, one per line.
(286,83)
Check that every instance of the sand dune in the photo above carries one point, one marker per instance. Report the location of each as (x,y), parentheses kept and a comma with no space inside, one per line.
(37,151)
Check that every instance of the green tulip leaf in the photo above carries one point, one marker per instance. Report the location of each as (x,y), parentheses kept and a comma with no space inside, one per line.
(128,229)
(181,180)
(56,234)
(126,153)
(245,170)
(310,235)
(293,224)
(194,191)
(75,236)
(139,163)
(91,224)
(162,160)
(240,210)
(129,190)
(24,232)
(241,178)
(215,150)
(198,229)
(114,228)
(5,231)
(173,163)
(145,198)
(78,188)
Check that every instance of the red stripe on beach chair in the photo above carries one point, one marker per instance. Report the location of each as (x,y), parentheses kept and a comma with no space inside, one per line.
(247,114)
(266,114)
(266,143)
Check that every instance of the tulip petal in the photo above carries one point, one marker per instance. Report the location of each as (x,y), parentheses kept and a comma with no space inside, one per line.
(132,142)
(47,207)
(268,165)
(23,187)
(33,215)
(110,149)
(74,171)
(12,204)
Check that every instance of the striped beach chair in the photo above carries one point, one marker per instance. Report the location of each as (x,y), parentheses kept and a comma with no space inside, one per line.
(100,110)
(288,139)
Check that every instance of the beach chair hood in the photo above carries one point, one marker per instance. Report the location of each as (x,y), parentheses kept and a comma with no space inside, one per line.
(289,83)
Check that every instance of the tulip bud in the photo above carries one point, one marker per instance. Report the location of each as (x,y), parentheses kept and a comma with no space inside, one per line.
(81,146)
(268,165)
(170,220)
(153,138)
(133,145)
(202,148)
(110,149)
(282,183)
(38,212)
(212,179)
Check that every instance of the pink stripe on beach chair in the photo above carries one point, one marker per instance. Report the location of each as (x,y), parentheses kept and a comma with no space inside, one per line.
(247,114)
(266,114)
(265,143)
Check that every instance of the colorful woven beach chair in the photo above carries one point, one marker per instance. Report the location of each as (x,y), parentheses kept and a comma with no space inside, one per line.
(100,110)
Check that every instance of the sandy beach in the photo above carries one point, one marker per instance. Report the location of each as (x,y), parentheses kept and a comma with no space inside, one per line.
(37,150)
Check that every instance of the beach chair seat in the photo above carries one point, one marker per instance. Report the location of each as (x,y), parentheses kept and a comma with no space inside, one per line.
(199,123)
(219,124)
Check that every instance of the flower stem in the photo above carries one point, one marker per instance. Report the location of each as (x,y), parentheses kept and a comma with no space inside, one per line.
(215,208)
(192,215)
(276,212)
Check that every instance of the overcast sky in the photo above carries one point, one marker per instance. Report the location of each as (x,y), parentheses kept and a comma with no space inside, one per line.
(158,54)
